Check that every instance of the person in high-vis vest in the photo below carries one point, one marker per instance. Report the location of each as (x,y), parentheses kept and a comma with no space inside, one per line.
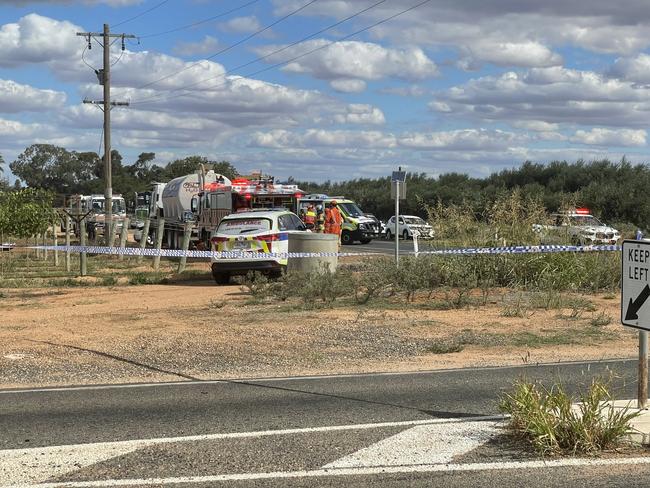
(310,217)
(333,220)
(320,219)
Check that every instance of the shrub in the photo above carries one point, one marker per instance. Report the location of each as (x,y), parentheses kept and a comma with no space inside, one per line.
(144,278)
(373,277)
(550,422)
(108,280)
(256,284)
(601,320)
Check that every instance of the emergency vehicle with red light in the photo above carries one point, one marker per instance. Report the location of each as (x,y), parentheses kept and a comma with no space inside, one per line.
(255,193)
(204,198)
(577,226)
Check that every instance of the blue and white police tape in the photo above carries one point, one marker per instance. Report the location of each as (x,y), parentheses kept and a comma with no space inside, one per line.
(136,251)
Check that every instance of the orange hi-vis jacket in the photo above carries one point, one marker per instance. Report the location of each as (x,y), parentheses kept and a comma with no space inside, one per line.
(333,221)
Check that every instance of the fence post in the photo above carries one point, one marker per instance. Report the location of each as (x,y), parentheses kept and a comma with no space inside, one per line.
(82,242)
(67,243)
(124,235)
(143,239)
(159,238)
(44,243)
(187,233)
(55,240)
(113,233)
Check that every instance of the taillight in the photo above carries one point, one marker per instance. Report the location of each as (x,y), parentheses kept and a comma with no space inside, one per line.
(219,239)
(268,238)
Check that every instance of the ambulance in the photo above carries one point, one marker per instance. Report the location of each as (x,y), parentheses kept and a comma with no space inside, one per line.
(356,225)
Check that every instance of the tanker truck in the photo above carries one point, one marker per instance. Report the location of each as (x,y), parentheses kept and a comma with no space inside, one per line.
(173,202)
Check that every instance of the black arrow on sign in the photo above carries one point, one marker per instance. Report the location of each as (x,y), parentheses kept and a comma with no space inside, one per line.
(635,305)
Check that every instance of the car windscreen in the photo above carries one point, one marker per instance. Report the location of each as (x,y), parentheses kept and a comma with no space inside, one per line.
(414,221)
(244,226)
(584,220)
(351,209)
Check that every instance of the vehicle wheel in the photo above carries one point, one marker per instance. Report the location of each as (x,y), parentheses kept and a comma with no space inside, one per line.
(405,234)
(346,237)
(389,235)
(221,278)
(365,241)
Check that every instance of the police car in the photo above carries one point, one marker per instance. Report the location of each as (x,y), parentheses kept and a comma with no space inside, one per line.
(249,233)
(578,226)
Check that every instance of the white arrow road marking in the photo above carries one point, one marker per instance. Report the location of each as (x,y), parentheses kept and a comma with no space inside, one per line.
(424,444)
(38,464)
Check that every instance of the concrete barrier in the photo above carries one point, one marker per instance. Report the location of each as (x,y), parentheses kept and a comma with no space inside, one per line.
(313,242)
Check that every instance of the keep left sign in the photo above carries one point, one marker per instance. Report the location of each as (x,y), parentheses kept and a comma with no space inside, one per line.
(635,284)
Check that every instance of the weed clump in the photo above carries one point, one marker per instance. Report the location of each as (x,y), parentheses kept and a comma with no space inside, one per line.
(144,278)
(548,419)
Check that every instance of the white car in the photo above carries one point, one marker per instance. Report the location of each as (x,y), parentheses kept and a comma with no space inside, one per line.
(250,232)
(408,224)
(579,226)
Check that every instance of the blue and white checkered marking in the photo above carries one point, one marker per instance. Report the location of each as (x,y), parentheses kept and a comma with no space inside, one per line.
(134,251)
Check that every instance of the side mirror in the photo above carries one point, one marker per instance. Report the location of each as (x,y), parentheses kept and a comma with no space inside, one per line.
(194,204)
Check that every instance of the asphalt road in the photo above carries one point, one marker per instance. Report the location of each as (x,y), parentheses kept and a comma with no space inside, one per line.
(361,430)
(382,246)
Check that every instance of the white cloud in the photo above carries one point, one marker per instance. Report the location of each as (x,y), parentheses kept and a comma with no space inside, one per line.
(525,54)
(535,125)
(358,113)
(31,40)
(15,97)
(242,25)
(468,139)
(552,95)
(606,137)
(354,60)
(206,45)
(635,69)
(348,86)
(456,140)
(18,130)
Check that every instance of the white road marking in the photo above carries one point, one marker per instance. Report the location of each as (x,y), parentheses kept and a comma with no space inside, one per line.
(41,463)
(55,389)
(423,444)
(425,468)
(35,465)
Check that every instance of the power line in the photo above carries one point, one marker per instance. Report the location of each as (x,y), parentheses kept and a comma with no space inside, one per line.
(142,13)
(199,22)
(156,98)
(228,48)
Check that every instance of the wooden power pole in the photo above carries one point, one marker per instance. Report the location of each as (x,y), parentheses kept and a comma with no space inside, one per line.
(104,76)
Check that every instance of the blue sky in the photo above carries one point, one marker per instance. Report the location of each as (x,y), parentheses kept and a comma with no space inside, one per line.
(452,85)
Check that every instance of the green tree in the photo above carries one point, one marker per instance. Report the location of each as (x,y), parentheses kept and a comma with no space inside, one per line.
(26,212)
(190,164)
(52,168)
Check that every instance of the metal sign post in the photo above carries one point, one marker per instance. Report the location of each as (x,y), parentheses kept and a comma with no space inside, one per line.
(635,307)
(398,191)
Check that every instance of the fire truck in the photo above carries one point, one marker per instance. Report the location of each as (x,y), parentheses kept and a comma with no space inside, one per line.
(205,197)
(255,192)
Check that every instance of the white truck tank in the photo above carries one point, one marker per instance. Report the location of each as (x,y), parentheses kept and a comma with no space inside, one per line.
(177,194)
